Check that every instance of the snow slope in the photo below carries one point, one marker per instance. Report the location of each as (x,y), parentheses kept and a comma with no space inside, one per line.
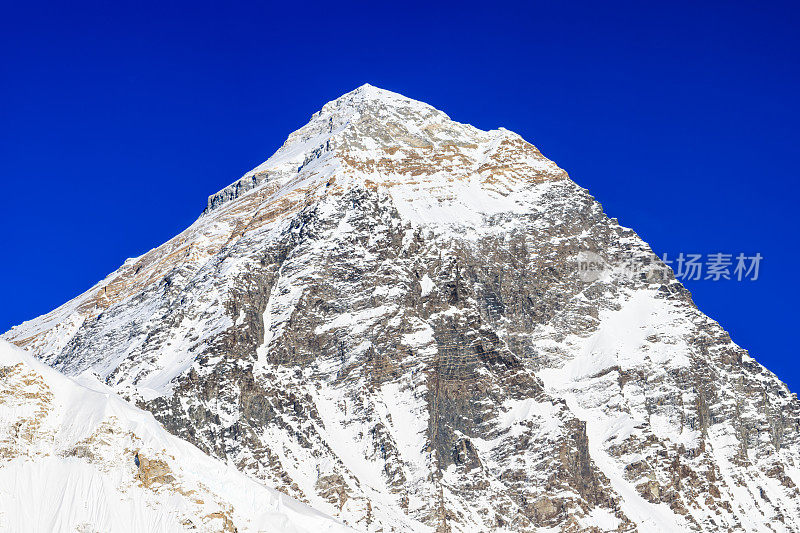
(76,457)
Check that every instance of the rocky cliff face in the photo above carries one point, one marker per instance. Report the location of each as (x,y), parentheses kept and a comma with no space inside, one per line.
(386,320)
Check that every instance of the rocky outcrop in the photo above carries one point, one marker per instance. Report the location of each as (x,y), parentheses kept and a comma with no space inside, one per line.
(234,190)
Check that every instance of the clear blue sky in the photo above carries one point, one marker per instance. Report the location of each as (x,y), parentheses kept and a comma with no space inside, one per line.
(119,119)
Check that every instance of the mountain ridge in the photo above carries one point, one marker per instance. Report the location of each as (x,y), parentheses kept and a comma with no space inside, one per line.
(73,440)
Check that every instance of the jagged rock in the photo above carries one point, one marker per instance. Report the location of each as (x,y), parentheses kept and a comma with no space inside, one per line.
(151,471)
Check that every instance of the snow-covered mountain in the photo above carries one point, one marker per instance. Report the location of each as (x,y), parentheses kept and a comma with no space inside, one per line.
(76,457)
(386,321)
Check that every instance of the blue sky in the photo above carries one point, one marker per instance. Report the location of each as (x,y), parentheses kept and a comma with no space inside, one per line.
(119,119)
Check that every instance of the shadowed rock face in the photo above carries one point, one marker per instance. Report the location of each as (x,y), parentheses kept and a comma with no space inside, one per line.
(385,319)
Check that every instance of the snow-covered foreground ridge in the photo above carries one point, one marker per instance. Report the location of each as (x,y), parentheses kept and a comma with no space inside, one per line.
(76,457)
(385,320)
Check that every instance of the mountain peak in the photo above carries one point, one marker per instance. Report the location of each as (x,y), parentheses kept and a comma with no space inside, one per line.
(375,136)
(371,99)
(368,92)
(388,319)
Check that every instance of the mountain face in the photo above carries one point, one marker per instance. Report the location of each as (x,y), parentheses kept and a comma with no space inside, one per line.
(386,320)
(76,457)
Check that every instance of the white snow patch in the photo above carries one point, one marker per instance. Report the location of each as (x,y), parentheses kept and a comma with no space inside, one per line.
(427,285)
